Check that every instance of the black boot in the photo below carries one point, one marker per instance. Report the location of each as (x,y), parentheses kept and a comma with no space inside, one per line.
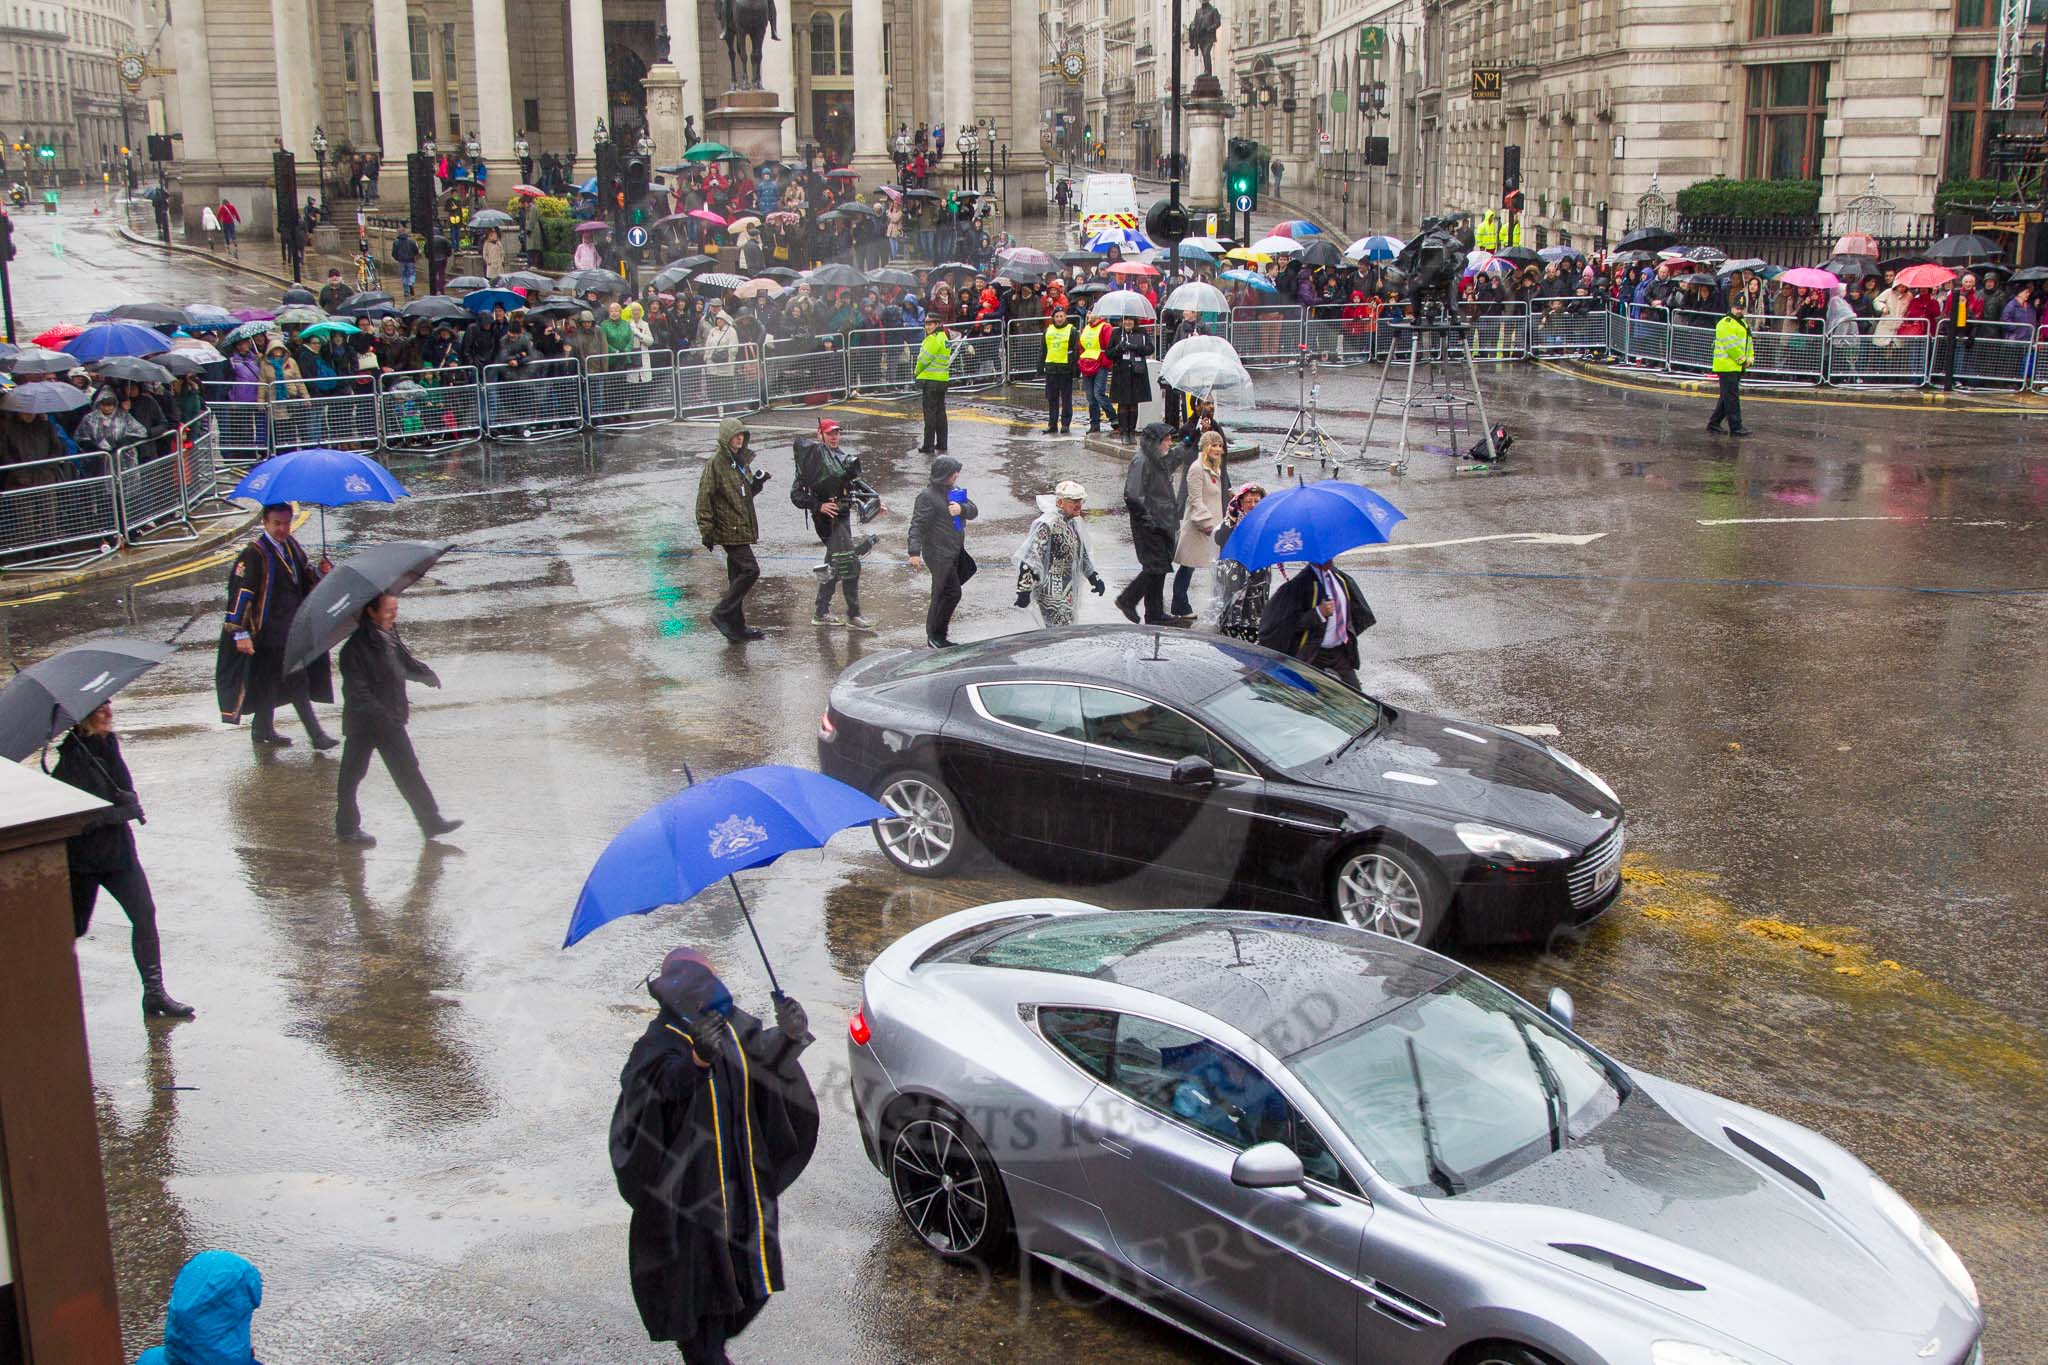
(157,1002)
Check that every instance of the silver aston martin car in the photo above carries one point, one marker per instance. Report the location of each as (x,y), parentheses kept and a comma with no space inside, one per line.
(1305,1142)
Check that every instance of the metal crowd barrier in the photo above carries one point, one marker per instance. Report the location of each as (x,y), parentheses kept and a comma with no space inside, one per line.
(883,360)
(205,499)
(1869,358)
(1995,353)
(1340,340)
(150,492)
(1795,355)
(540,401)
(431,409)
(1689,347)
(243,425)
(59,513)
(801,376)
(714,383)
(1267,333)
(343,421)
(1501,332)
(630,390)
(1024,347)
(1568,333)
(981,359)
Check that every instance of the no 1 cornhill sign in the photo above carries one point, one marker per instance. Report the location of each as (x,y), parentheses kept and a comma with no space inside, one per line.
(1485,82)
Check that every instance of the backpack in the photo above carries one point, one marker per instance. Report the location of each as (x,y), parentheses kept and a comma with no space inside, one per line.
(815,465)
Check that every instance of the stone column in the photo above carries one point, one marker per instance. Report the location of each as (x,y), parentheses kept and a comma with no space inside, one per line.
(778,74)
(956,31)
(494,126)
(870,94)
(686,55)
(394,98)
(198,170)
(1202,130)
(298,80)
(586,67)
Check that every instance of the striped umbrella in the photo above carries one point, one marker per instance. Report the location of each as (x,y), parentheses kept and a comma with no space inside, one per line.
(1297,227)
(712,279)
(1377,247)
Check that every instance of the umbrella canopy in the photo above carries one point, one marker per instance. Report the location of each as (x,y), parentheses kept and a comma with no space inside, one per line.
(836,276)
(325,478)
(1027,256)
(1918,276)
(1297,227)
(1312,524)
(1251,278)
(706,151)
(150,314)
(744,223)
(435,308)
(1125,239)
(257,329)
(1188,252)
(670,221)
(483,219)
(715,279)
(201,317)
(895,279)
(530,280)
(1807,277)
(1275,246)
(37,359)
(842,173)
(712,830)
(1378,247)
(484,300)
(1850,267)
(1246,255)
(593,227)
(1215,246)
(48,697)
(300,315)
(707,216)
(922,193)
(1745,263)
(1319,251)
(588,187)
(1088,289)
(1134,270)
(1196,297)
(554,308)
(132,368)
(254,314)
(853,208)
(781,273)
(1856,244)
(1520,255)
(529,191)
(464,283)
(179,363)
(689,263)
(44,398)
(1123,303)
(298,293)
(1706,255)
(368,298)
(56,336)
(1560,253)
(1077,258)
(333,327)
(670,280)
(1964,248)
(757,289)
(155,192)
(583,281)
(2033,274)
(1700,278)
(1204,366)
(1647,239)
(103,339)
(330,612)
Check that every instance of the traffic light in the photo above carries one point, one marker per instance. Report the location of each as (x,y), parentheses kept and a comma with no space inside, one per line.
(634,181)
(1510,168)
(607,177)
(47,152)
(1166,221)
(1241,170)
(1512,201)
(6,238)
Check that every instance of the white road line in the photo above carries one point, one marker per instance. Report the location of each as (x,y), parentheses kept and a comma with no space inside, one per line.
(1778,521)
(1535,731)
(1520,537)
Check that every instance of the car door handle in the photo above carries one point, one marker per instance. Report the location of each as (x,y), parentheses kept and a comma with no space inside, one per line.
(1113,1148)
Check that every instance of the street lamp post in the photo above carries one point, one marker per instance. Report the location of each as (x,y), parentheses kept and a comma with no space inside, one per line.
(965,144)
(473,152)
(320,145)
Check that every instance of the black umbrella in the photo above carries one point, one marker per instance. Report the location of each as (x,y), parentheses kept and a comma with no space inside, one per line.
(690,264)
(670,280)
(781,274)
(2033,274)
(855,206)
(297,294)
(897,279)
(1702,278)
(528,280)
(1089,287)
(1520,255)
(921,193)
(1631,257)
(435,308)
(132,368)
(44,699)
(679,169)
(330,612)
(954,268)
(1705,255)
(1648,239)
(836,276)
(153,314)
(1899,262)
(602,281)
(181,363)
(1077,258)
(466,282)
(559,308)
(1321,251)
(1964,248)
(369,298)
(1850,267)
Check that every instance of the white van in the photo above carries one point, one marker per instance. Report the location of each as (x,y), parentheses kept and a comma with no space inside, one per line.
(1108,201)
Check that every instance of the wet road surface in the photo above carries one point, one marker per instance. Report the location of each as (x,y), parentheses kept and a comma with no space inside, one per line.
(1811,663)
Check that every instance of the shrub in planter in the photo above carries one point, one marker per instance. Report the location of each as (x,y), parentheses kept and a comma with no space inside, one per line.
(1722,198)
(1969,193)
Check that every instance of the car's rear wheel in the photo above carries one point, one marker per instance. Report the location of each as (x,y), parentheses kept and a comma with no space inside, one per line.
(1385,888)
(947,1187)
(927,837)
(1501,1353)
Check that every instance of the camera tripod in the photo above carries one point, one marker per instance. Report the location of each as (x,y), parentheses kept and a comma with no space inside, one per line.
(1305,435)
(1443,398)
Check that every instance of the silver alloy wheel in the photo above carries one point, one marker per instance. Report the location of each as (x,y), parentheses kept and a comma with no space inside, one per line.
(923,834)
(939,1185)
(1375,892)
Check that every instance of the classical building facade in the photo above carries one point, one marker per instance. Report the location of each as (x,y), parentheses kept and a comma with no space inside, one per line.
(377,75)
(60,87)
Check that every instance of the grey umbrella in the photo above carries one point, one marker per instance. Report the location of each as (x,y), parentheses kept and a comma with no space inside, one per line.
(44,398)
(466,282)
(132,367)
(154,314)
(483,219)
(297,294)
(331,610)
(46,698)
(530,281)
(180,362)
(836,276)
(33,360)
(436,308)
(898,279)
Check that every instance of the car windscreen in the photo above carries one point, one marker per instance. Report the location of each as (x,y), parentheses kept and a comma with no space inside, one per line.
(1289,714)
(1458,1087)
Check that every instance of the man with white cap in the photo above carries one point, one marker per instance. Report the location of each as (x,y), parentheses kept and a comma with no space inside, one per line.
(1054,558)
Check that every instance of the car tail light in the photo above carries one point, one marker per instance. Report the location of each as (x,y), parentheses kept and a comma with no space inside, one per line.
(827,731)
(857,1027)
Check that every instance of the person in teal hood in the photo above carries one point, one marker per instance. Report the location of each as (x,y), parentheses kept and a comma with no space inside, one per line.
(207,1323)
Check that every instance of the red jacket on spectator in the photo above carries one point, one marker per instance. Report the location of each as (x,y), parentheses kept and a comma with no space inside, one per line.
(1922,312)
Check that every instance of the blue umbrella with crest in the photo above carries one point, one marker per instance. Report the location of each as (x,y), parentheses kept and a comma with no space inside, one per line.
(324,478)
(711,830)
(1312,524)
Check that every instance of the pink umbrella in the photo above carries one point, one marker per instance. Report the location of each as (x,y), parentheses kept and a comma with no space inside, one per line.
(1810,277)
(707,216)
(1856,244)
(1133,268)
(1925,276)
(593,227)
(891,191)
(529,191)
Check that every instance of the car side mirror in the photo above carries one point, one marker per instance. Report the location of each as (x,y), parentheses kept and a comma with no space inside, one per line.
(1559,1006)
(1193,771)
(1267,1166)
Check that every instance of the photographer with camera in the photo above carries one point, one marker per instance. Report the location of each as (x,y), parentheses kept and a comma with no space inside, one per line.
(725,519)
(830,488)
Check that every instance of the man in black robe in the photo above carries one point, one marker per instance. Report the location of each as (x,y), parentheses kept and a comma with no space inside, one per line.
(270,578)
(715,1119)
(1317,617)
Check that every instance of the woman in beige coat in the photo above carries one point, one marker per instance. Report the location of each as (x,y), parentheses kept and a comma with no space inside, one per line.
(1201,514)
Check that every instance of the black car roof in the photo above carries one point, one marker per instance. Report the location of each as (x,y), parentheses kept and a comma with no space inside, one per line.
(1175,665)
(1289,982)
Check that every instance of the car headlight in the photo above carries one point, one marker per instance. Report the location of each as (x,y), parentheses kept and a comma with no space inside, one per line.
(1692,1353)
(1490,841)
(1599,783)
(1907,1219)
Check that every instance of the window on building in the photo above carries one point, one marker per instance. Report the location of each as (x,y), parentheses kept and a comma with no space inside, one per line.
(824,45)
(349,68)
(846,43)
(1790,18)
(1976,14)
(1785,113)
(448,54)
(422,63)
(1972,121)
(888,50)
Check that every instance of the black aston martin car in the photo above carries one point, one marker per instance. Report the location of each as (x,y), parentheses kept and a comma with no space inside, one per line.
(1132,747)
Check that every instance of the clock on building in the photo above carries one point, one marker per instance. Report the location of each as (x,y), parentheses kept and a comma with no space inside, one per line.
(1072,64)
(132,68)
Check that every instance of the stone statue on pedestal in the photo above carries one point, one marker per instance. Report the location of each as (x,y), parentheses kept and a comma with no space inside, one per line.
(1208,21)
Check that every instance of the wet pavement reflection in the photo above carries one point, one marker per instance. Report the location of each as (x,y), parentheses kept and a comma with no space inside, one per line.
(1810,663)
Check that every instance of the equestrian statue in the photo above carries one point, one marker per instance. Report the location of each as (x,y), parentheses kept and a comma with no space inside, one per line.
(739,22)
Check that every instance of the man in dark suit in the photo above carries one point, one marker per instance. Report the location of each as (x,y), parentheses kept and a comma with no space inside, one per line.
(375,667)
(1317,616)
(270,578)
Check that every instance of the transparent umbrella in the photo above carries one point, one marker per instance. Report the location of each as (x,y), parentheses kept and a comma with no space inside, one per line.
(1197,297)
(1209,368)
(1123,303)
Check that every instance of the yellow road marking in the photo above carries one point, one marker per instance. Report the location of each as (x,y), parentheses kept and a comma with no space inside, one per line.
(39,597)
(1927,399)
(954,415)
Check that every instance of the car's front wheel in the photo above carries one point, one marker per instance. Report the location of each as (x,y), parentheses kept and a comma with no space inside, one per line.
(927,837)
(947,1187)
(1387,889)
